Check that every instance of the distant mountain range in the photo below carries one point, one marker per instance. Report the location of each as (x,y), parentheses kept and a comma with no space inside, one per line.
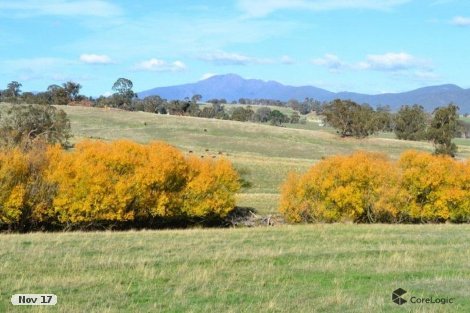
(233,87)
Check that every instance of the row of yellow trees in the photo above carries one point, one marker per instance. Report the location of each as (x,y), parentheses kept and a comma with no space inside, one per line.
(368,187)
(111,182)
(124,182)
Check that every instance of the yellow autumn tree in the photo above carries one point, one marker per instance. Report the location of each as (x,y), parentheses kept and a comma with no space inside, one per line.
(343,188)
(23,191)
(293,203)
(462,213)
(159,181)
(13,179)
(437,187)
(367,187)
(211,188)
(125,181)
(115,181)
(362,187)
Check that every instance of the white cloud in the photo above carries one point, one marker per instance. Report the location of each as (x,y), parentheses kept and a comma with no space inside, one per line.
(229,58)
(331,61)
(461,21)
(426,75)
(285,59)
(398,64)
(95,59)
(260,8)
(207,75)
(70,8)
(157,65)
(35,64)
(422,76)
(392,61)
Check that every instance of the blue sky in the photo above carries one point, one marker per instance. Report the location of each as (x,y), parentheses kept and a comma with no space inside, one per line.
(354,45)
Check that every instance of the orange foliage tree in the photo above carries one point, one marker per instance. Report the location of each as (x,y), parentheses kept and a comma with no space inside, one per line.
(13,179)
(121,181)
(342,188)
(367,187)
(437,187)
(211,188)
(24,194)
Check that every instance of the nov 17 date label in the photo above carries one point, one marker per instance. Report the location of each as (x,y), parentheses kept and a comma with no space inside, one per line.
(34,299)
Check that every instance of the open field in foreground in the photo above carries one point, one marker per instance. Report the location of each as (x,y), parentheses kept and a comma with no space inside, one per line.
(316,268)
(264,154)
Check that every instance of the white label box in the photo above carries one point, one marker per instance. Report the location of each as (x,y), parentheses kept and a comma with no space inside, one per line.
(34,299)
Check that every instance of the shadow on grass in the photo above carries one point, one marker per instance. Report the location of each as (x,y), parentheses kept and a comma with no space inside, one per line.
(239,216)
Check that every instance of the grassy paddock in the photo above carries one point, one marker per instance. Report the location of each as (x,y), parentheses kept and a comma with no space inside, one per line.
(316,268)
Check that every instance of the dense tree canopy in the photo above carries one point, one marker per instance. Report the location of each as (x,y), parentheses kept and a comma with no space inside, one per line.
(13,89)
(443,128)
(20,125)
(123,92)
(411,123)
(350,118)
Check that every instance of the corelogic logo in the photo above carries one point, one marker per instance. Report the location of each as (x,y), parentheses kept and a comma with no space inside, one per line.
(397,296)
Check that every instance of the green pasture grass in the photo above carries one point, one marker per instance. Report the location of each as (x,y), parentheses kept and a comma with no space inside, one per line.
(232,137)
(263,203)
(315,268)
(265,154)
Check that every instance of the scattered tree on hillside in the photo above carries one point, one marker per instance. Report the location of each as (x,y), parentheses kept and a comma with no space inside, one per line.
(411,123)
(12,93)
(262,115)
(13,89)
(177,107)
(196,98)
(294,118)
(443,128)
(21,125)
(57,95)
(242,114)
(153,104)
(384,118)
(277,118)
(72,91)
(306,106)
(216,110)
(464,129)
(350,118)
(193,109)
(217,101)
(123,92)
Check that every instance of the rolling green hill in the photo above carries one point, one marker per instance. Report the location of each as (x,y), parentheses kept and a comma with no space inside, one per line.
(264,154)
